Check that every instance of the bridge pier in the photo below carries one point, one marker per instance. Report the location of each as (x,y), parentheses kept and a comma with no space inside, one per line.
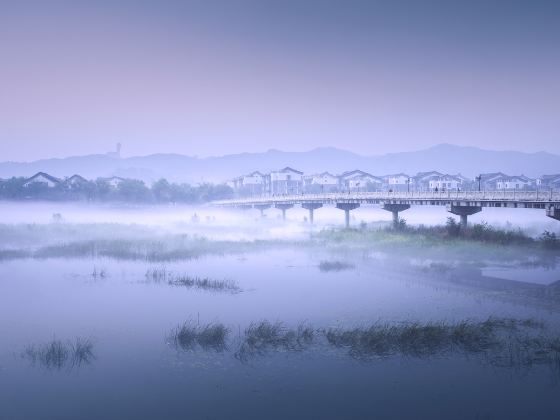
(283,207)
(311,207)
(262,208)
(395,209)
(347,207)
(464,212)
(553,211)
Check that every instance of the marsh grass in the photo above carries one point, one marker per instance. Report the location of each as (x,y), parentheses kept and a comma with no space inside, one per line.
(430,339)
(262,337)
(163,275)
(500,342)
(328,266)
(476,241)
(169,248)
(189,335)
(57,354)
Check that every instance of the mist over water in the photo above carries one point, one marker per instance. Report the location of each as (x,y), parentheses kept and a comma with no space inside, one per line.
(162,311)
(248,224)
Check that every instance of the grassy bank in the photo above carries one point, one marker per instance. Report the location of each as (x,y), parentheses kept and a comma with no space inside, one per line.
(133,242)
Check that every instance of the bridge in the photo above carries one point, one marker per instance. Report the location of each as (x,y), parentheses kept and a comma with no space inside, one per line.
(460,203)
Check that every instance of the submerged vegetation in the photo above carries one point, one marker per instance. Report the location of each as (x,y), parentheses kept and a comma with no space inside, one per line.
(58,354)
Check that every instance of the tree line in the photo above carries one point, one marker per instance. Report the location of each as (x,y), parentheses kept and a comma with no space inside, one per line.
(127,190)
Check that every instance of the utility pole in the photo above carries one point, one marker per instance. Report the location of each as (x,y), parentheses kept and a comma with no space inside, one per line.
(479,178)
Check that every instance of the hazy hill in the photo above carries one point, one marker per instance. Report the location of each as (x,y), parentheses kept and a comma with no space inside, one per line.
(469,161)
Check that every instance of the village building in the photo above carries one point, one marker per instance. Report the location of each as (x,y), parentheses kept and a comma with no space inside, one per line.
(445,183)
(424,181)
(397,182)
(249,185)
(324,182)
(489,181)
(42,179)
(358,180)
(549,182)
(466,183)
(286,181)
(75,181)
(516,182)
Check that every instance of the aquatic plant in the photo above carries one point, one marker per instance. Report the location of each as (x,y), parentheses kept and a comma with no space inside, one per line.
(212,336)
(265,336)
(57,354)
(422,340)
(162,274)
(205,283)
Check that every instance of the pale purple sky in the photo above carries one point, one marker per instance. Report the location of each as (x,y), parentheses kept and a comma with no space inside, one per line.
(210,77)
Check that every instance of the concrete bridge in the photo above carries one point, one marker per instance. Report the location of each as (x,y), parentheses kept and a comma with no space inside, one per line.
(460,203)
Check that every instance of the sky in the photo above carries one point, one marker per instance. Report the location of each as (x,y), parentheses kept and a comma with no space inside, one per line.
(211,77)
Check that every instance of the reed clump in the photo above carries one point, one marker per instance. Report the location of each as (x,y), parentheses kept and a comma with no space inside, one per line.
(264,336)
(163,275)
(189,335)
(429,339)
(57,354)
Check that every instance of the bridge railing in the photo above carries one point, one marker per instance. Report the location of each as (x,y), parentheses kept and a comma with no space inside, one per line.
(513,196)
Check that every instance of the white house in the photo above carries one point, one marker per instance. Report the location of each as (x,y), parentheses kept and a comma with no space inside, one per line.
(250,184)
(423,181)
(397,182)
(360,181)
(516,182)
(549,181)
(319,183)
(284,181)
(489,181)
(445,183)
(43,179)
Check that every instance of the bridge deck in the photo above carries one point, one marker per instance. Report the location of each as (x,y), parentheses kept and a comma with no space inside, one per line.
(511,199)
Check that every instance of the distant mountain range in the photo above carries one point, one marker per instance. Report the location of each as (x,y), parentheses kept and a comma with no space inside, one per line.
(446,158)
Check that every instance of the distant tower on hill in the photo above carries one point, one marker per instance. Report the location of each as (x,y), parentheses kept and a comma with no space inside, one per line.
(117,152)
